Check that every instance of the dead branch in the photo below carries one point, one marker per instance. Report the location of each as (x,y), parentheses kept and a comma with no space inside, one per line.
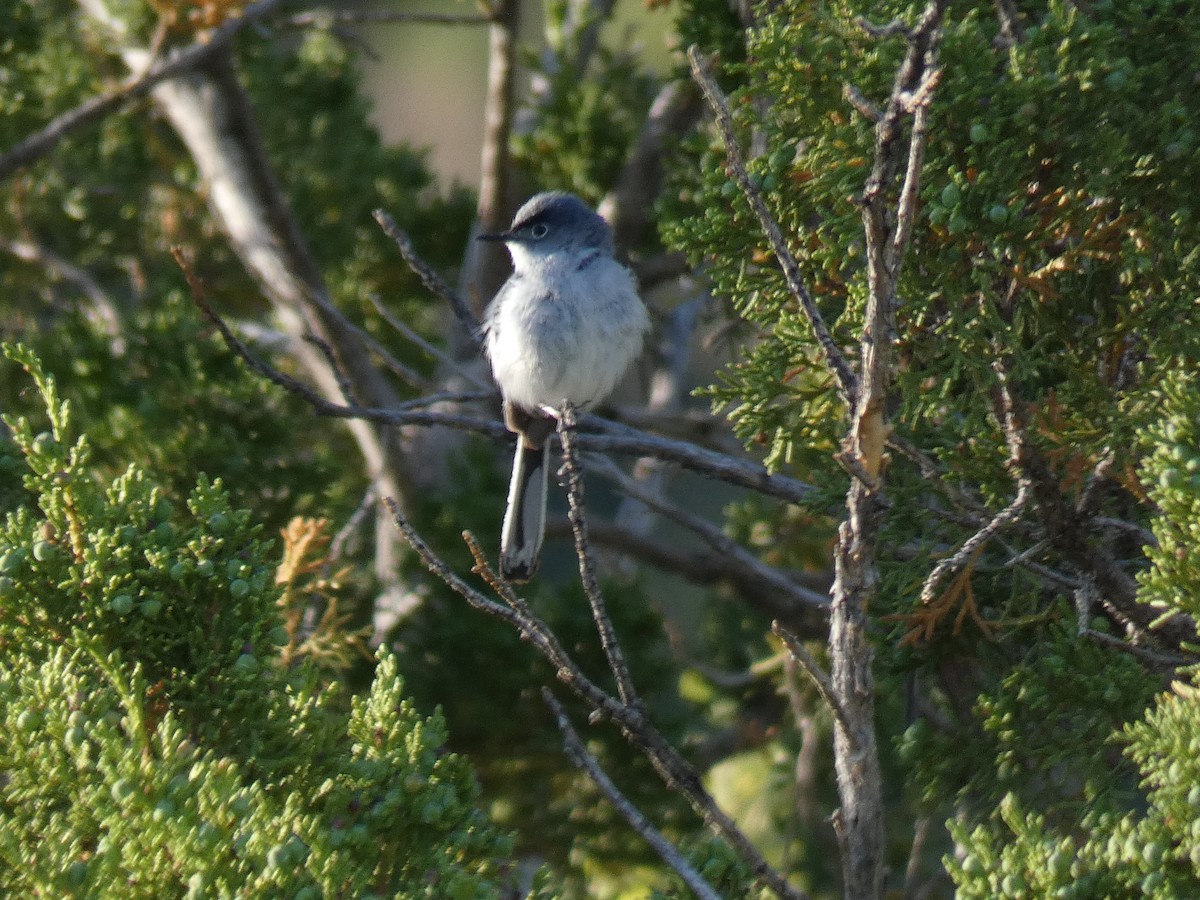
(669,854)
(430,278)
(676,772)
(859,823)
(573,478)
(834,358)
(330,18)
(818,676)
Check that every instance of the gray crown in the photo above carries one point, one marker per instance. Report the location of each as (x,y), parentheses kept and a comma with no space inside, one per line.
(556,219)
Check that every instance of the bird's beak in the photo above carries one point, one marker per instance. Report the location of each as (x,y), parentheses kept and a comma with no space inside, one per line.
(498,236)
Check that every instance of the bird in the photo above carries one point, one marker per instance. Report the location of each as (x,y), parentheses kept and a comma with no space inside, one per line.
(565,326)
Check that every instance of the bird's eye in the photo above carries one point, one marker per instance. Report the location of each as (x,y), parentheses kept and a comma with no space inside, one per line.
(539,231)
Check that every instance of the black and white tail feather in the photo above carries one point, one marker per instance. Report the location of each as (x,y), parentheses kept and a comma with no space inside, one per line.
(525,516)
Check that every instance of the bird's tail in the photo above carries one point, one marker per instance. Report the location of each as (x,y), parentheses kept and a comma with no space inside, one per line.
(525,517)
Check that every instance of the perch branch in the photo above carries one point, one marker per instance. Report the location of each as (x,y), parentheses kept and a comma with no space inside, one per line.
(573,477)
(675,771)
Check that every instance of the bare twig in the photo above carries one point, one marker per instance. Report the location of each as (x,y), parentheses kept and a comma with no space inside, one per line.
(209,45)
(834,358)
(587,570)
(1155,659)
(436,352)
(971,546)
(406,373)
(669,854)
(429,277)
(906,208)
(888,29)
(321,18)
(675,771)
(773,582)
(701,566)
(858,100)
(931,472)
(343,382)
(614,436)
(337,547)
(818,676)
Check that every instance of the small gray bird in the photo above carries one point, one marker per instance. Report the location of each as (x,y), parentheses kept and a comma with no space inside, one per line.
(565,326)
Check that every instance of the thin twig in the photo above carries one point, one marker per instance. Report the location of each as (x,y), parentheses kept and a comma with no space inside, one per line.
(674,770)
(436,352)
(818,676)
(429,277)
(931,472)
(768,578)
(1159,660)
(573,475)
(906,208)
(888,29)
(967,551)
(321,18)
(858,100)
(345,388)
(700,566)
(338,545)
(407,373)
(834,358)
(667,851)
(501,586)
(208,45)
(614,436)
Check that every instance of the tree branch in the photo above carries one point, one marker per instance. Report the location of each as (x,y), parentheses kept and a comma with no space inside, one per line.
(773,583)
(859,823)
(573,477)
(675,771)
(579,755)
(206,47)
(430,278)
(818,676)
(834,358)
